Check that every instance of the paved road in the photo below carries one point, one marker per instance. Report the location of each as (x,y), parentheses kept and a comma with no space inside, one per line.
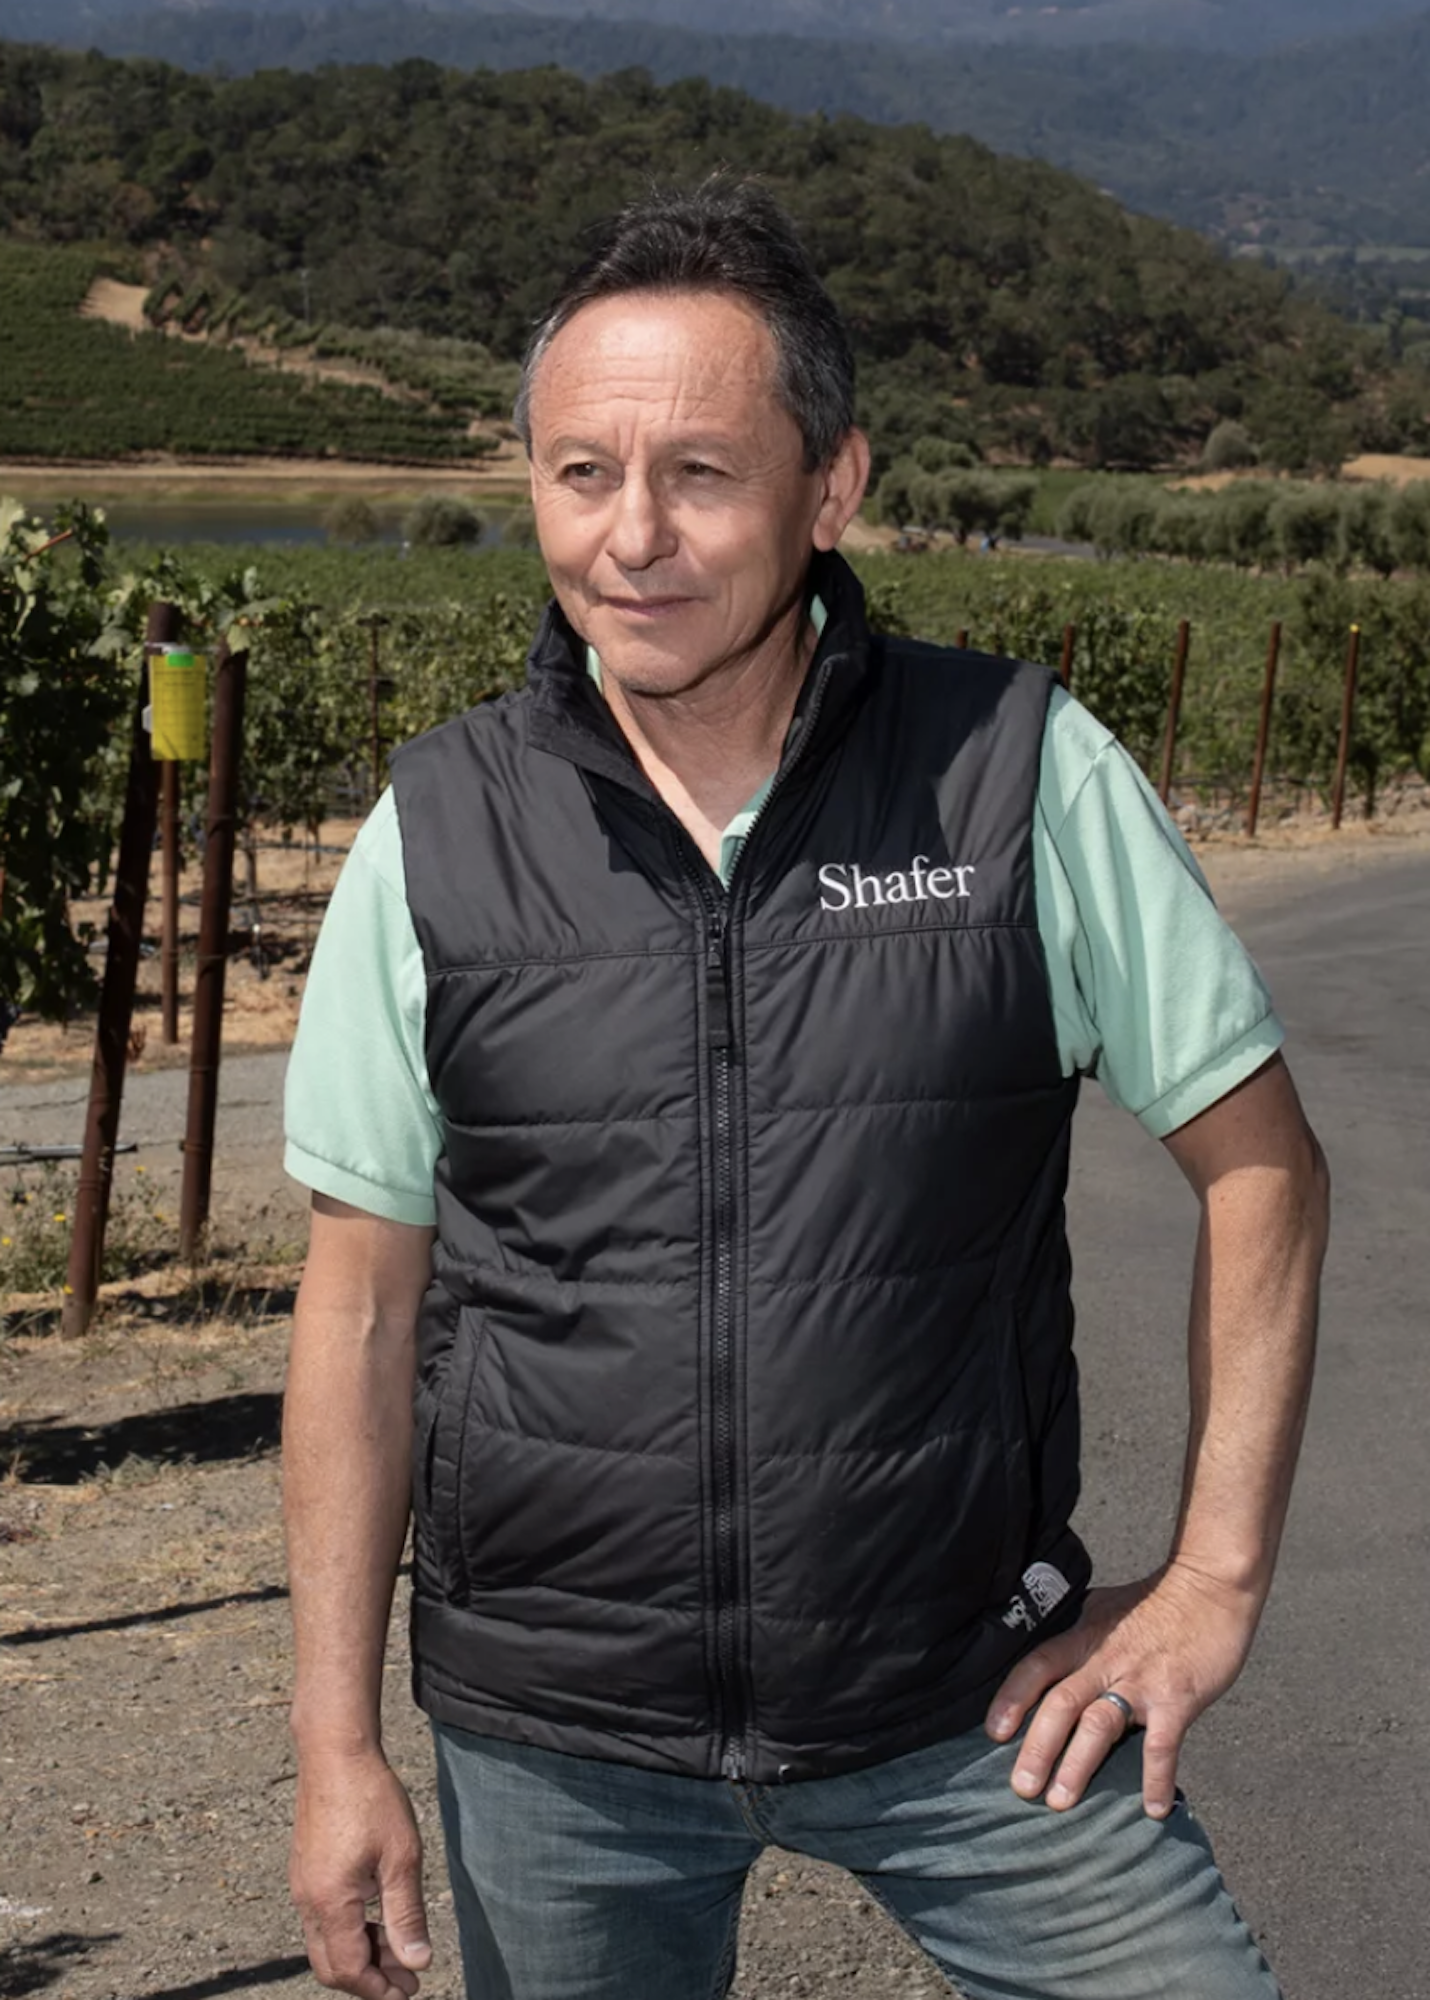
(247,1174)
(1315,1771)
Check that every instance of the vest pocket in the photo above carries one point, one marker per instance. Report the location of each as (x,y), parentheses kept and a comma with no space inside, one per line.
(445,1452)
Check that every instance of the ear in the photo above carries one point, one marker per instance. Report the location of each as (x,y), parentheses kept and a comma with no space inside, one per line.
(845,478)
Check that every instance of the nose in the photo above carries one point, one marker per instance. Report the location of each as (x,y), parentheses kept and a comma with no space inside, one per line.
(641,531)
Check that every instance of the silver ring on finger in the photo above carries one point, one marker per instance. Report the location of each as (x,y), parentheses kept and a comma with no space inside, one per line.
(1122,1705)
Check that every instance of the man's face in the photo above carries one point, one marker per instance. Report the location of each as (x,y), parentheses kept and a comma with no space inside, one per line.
(672,504)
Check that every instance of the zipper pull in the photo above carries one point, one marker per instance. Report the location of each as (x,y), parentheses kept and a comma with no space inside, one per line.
(732,1764)
(717,989)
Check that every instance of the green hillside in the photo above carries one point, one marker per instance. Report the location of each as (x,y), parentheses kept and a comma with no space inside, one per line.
(75,388)
(1312,144)
(998,303)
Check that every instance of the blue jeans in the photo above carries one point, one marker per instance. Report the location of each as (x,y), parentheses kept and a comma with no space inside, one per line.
(576,1880)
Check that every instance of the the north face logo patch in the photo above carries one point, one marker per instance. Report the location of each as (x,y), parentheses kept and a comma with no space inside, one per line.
(843,885)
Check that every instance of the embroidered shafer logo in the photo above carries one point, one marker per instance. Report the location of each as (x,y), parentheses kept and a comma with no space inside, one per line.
(843,885)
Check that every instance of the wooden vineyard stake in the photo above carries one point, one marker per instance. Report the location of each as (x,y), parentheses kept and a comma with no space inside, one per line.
(1174,709)
(1263,730)
(1069,641)
(230,686)
(1348,707)
(116,1004)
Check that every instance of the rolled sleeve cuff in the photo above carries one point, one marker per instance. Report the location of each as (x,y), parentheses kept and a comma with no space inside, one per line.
(341,1184)
(1190,1098)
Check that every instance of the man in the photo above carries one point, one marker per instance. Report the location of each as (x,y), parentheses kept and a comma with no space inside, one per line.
(684,1083)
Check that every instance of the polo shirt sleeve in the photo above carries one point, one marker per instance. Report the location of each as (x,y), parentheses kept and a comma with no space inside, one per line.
(360,1119)
(1152,992)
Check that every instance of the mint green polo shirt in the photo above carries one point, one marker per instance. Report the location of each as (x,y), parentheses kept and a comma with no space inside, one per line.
(1152,994)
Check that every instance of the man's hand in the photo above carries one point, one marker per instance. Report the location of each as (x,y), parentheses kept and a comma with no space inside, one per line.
(355,1841)
(1169,1646)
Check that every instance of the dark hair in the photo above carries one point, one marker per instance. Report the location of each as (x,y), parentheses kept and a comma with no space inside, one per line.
(724,236)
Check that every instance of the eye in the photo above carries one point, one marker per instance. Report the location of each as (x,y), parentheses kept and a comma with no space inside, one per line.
(580,471)
(696,468)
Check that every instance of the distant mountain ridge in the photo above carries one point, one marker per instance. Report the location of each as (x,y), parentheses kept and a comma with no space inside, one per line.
(1237,26)
(1222,24)
(1289,150)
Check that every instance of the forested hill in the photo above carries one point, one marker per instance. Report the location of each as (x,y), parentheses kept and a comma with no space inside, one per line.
(998,300)
(1313,145)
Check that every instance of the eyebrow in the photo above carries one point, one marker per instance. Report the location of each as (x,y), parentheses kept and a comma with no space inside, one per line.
(695,445)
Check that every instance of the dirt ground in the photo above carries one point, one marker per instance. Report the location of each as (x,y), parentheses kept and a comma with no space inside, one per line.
(1394,470)
(146,1776)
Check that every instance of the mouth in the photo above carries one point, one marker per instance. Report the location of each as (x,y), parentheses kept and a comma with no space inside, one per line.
(642,608)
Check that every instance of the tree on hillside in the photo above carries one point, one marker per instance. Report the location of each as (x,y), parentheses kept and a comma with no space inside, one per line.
(1307,527)
(442,521)
(1366,530)
(1299,432)
(1410,526)
(1229,448)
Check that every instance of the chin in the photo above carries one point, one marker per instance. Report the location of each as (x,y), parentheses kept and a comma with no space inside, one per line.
(653,665)
(650,675)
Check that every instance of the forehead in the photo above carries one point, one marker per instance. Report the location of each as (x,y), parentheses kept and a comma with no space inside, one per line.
(678,357)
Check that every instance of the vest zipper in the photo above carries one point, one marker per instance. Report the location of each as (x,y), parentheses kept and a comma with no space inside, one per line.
(719,1039)
(731,1673)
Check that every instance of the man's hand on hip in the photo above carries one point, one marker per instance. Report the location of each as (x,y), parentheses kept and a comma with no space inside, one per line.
(1168,1646)
(355,1841)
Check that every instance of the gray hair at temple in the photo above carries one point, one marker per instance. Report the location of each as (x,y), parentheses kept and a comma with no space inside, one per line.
(725,236)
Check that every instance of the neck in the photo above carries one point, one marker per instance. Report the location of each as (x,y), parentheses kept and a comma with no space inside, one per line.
(707,749)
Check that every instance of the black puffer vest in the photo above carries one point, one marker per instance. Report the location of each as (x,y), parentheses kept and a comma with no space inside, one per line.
(746,1412)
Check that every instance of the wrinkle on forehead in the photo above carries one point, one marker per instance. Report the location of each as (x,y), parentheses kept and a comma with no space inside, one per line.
(685,360)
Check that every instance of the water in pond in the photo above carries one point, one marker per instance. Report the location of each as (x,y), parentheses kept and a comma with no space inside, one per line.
(169,524)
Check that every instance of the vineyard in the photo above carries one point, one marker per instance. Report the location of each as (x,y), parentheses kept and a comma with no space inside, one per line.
(352,652)
(448,627)
(459,378)
(96,391)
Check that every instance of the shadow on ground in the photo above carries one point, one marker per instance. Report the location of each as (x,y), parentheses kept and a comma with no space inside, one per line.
(242,1979)
(123,1621)
(209,1299)
(49,1453)
(32,1966)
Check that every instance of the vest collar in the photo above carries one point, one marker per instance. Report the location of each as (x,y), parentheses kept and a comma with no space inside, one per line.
(569,718)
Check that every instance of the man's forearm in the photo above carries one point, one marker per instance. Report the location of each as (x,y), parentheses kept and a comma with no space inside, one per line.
(1251,1346)
(347,1440)
(346,1489)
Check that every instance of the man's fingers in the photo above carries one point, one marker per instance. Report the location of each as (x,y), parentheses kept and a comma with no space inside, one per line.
(1100,1728)
(1034,1674)
(1058,1716)
(1160,1750)
(404,1918)
(1076,1730)
(401,1977)
(341,1952)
